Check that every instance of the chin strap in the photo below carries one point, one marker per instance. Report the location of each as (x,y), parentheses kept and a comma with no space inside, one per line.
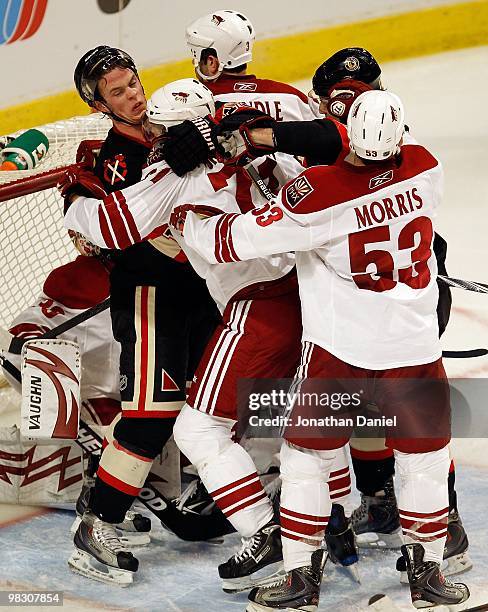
(204,77)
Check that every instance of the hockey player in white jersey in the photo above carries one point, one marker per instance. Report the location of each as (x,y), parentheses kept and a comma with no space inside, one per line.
(258,299)
(363,233)
(221,47)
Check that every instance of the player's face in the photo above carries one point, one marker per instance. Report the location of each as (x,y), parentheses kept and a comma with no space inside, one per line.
(122,91)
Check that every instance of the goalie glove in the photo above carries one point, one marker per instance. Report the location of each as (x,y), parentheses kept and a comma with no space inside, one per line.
(79,181)
(232,135)
(179,214)
(342,95)
(188,145)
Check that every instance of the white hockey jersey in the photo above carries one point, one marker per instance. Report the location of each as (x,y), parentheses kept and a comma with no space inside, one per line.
(363,239)
(281,101)
(126,217)
(68,291)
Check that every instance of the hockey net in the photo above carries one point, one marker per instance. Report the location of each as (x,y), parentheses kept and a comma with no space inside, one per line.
(34,240)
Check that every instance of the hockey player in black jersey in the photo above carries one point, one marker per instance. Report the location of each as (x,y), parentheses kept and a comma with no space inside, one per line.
(162,315)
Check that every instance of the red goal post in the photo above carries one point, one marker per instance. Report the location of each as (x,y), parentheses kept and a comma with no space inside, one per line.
(33,239)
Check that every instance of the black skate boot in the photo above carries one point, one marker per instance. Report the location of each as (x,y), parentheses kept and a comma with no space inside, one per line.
(456,557)
(259,561)
(297,590)
(100,554)
(134,529)
(428,587)
(376,522)
(341,541)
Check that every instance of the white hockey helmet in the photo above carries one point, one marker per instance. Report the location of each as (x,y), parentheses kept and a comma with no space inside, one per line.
(178,101)
(230,33)
(375,125)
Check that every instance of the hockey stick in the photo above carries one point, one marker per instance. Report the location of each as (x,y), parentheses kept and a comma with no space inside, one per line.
(189,527)
(464,284)
(452,282)
(16,344)
(465,354)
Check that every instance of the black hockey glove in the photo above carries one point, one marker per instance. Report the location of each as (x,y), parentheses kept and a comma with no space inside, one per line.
(232,135)
(188,145)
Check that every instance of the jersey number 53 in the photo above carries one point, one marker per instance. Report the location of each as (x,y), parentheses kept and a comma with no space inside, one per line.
(387,275)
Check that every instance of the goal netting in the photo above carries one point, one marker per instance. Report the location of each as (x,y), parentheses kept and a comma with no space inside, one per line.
(33,240)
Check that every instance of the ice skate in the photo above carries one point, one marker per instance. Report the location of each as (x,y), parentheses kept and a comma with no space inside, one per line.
(296,590)
(133,531)
(376,522)
(99,553)
(456,557)
(341,541)
(259,561)
(428,587)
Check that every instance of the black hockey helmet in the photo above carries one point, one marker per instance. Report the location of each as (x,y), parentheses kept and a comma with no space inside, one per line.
(94,64)
(353,62)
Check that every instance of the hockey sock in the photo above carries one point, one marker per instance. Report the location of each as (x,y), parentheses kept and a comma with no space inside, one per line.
(305,502)
(340,478)
(120,476)
(423,499)
(372,470)
(226,469)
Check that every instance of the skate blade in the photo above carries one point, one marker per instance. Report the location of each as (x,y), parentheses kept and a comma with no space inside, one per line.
(456,565)
(246,583)
(353,571)
(429,607)
(255,607)
(82,563)
(380,540)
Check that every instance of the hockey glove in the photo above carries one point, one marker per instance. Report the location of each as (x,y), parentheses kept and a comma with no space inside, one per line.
(87,153)
(341,97)
(178,216)
(188,145)
(79,181)
(232,136)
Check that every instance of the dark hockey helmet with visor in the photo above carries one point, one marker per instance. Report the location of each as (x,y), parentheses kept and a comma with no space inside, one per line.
(354,63)
(94,64)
